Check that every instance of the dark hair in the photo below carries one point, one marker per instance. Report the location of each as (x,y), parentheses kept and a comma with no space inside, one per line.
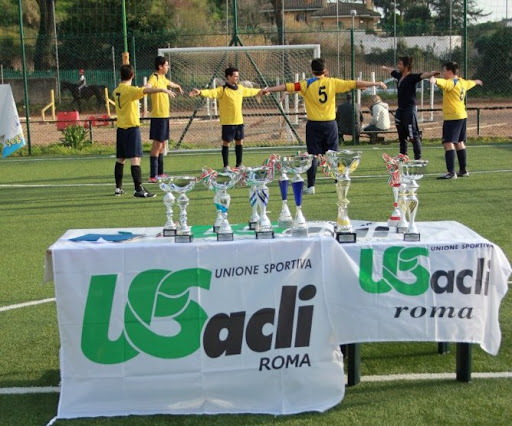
(126,72)
(407,61)
(159,61)
(230,70)
(348,97)
(452,66)
(318,66)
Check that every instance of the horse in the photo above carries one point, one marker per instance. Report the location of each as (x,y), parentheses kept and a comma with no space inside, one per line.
(86,93)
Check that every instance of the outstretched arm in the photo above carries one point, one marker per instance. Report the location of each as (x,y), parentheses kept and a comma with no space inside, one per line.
(194,92)
(478,82)
(175,86)
(385,68)
(149,90)
(279,88)
(361,84)
(430,74)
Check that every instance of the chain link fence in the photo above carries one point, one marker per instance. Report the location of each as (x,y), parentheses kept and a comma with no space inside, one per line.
(488,58)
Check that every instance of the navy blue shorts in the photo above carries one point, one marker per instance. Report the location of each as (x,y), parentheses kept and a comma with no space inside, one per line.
(454,131)
(159,129)
(321,136)
(230,132)
(128,143)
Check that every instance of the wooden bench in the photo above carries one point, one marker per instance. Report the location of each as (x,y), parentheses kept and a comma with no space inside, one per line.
(374,135)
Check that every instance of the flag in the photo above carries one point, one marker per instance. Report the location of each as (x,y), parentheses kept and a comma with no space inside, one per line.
(11,132)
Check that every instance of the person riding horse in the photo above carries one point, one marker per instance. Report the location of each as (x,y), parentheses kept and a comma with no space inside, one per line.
(85,92)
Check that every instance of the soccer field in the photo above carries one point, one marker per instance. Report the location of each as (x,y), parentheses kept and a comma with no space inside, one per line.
(43,197)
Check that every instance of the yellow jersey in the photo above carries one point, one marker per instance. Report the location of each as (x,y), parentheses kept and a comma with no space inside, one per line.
(159,101)
(454,93)
(127,106)
(319,94)
(230,102)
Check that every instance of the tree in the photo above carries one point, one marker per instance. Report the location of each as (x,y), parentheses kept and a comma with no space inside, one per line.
(44,56)
(443,9)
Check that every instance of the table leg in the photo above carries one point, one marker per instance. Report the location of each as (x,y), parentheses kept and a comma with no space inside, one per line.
(354,364)
(443,348)
(463,362)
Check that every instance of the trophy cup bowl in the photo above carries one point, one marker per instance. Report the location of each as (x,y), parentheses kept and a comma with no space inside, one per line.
(169,200)
(297,164)
(413,171)
(182,185)
(342,164)
(220,182)
(257,179)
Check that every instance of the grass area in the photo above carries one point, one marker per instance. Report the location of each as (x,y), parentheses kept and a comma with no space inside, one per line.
(43,197)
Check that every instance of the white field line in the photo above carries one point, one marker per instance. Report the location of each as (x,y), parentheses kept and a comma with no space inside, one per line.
(25,304)
(69,185)
(365,379)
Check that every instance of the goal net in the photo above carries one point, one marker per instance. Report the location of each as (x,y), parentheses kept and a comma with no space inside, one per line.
(275,119)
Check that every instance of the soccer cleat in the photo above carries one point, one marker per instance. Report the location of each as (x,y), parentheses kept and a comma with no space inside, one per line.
(118,192)
(227,169)
(162,176)
(464,173)
(152,180)
(309,191)
(448,176)
(143,193)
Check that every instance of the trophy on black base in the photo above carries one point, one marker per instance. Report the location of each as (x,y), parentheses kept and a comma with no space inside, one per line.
(169,199)
(298,164)
(342,164)
(253,200)
(258,177)
(395,170)
(285,219)
(413,171)
(182,185)
(220,182)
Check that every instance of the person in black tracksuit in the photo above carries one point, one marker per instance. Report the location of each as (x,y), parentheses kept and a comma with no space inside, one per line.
(406,119)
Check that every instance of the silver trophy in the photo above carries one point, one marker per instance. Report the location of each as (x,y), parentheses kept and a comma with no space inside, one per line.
(182,185)
(169,199)
(285,219)
(402,224)
(257,178)
(253,200)
(395,170)
(220,182)
(298,164)
(342,164)
(413,171)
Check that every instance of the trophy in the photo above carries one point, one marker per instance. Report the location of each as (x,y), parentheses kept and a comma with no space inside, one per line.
(255,217)
(395,169)
(257,178)
(169,199)
(182,185)
(298,164)
(402,224)
(220,182)
(342,163)
(413,171)
(285,217)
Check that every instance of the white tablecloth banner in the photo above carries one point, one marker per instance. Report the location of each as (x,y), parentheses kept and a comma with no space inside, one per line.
(11,132)
(254,326)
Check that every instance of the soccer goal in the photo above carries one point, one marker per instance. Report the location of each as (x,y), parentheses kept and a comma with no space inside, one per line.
(273,120)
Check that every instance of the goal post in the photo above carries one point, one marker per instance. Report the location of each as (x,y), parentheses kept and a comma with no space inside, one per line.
(267,121)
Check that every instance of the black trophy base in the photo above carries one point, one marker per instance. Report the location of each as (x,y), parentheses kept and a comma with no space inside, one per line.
(264,235)
(252,226)
(411,237)
(215,228)
(225,236)
(346,237)
(183,238)
(169,232)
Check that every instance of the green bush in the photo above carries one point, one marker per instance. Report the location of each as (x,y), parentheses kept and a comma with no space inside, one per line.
(75,137)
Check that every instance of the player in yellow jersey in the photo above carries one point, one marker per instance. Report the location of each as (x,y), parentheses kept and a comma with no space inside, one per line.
(230,98)
(454,114)
(159,127)
(128,140)
(319,94)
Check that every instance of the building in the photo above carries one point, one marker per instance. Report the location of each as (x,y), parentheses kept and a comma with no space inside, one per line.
(323,14)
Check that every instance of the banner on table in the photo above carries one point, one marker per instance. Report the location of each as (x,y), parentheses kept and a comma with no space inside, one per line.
(11,132)
(199,328)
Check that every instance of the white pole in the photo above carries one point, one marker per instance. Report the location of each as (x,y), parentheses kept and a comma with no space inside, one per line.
(145,100)
(303,78)
(114,64)
(372,79)
(296,101)
(432,101)
(422,103)
(358,95)
(2,72)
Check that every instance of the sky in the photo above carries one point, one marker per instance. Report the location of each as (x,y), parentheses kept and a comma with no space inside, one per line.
(498,9)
